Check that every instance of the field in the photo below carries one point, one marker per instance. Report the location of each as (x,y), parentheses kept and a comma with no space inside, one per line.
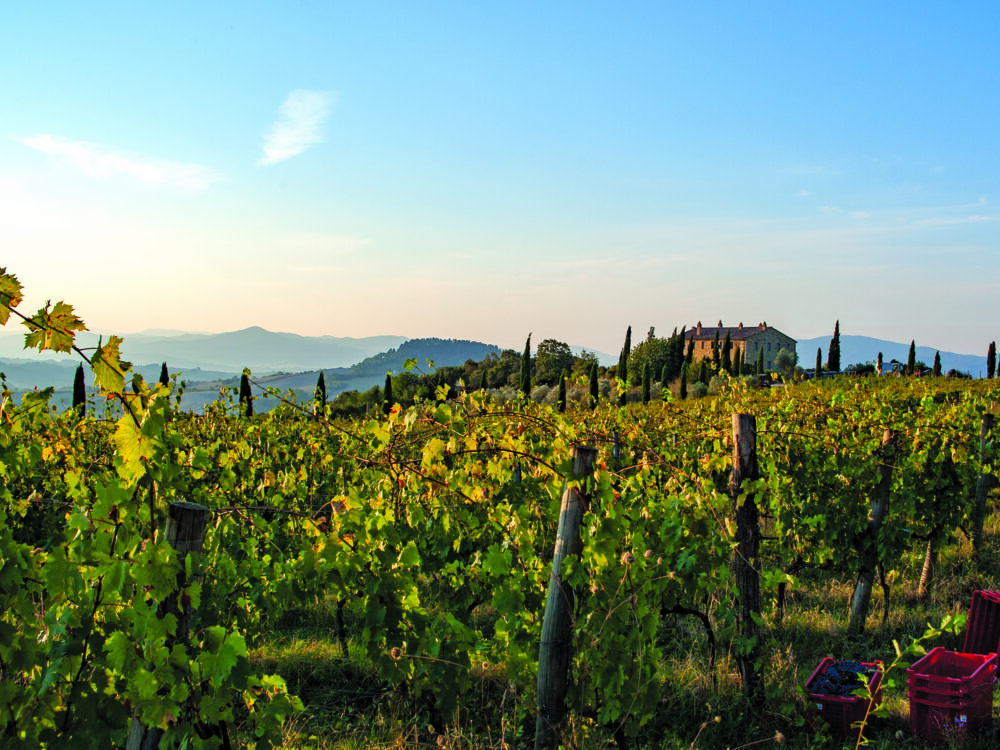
(478,572)
(382,582)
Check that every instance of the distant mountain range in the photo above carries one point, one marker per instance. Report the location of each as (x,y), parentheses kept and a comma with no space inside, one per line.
(862,349)
(261,350)
(280,360)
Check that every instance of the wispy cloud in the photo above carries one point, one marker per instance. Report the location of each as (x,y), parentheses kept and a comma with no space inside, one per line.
(302,116)
(103,162)
(937,221)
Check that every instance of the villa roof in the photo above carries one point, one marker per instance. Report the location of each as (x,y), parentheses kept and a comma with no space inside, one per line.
(736,333)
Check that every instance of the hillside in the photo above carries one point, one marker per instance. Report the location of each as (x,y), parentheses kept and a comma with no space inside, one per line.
(371,371)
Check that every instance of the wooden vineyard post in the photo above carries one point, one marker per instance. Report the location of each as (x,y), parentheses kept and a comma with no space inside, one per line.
(983,482)
(555,652)
(869,544)
(746,558)
(185,533)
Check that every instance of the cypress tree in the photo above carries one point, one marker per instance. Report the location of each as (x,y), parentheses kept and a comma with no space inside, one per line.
(911,359)
(623,366)
(387,399)
(760,362)
(937,364)
(246,397)
(678,358)
(705,372)
(833,360)
(594,389)
(991,360)
(484,380)
(79,392)
(164,375)
(562,392)
(727,354)
(526,368)
(646,382)
(321,390)
(879,364)
(819,363)
(684,381)
(689,357)
(715,351)
(665,375)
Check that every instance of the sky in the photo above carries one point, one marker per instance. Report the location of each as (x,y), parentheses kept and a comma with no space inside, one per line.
(488,170)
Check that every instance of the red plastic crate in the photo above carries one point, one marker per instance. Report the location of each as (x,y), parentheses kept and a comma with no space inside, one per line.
(939,722)
(952,671)
(952,697)
(982,633)
(842,711)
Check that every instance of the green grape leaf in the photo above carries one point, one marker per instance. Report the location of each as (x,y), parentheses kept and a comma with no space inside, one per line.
(53,328)
(409,556)
(134,448)
(10,294)
(117,647)
(497,562)
(108,367)
(217,666)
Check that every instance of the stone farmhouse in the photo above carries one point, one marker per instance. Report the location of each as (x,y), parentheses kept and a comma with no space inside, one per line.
(747,340)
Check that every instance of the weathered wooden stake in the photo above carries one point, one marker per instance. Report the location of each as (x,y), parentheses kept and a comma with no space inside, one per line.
(927,573)
(556,645)
(869,545)
(746,558)
(983,483)
(185,532)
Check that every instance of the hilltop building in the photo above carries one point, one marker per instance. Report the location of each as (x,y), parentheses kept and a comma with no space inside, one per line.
(747,340)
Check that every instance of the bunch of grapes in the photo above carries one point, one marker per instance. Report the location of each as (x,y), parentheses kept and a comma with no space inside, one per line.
(840,678)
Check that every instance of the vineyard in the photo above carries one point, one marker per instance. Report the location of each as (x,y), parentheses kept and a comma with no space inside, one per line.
(287,579)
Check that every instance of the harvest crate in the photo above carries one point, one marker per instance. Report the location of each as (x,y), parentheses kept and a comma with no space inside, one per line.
(951,698)
(841,712)
(982,634)
(952,671)
(953,719)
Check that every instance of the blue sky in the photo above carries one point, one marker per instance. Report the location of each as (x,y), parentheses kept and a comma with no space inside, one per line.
(485,170)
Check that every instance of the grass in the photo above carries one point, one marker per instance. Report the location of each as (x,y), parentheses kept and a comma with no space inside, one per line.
(347,707)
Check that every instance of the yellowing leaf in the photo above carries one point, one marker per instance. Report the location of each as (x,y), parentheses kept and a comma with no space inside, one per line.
(53,328)
(433,452)
(10,294)
(109,370)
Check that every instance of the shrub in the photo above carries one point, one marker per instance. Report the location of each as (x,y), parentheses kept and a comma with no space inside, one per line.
(539,392)
(715,385)
(697,390)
